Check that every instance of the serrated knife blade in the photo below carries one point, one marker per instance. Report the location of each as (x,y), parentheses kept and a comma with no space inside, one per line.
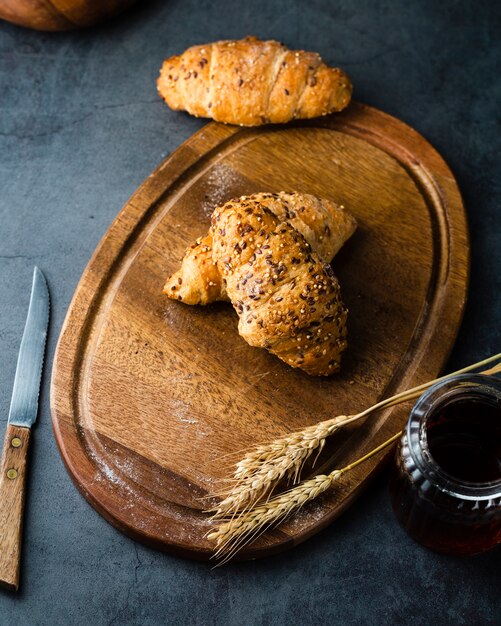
(22,415)
(24,402)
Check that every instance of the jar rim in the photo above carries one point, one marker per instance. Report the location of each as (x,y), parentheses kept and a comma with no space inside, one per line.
(441,393)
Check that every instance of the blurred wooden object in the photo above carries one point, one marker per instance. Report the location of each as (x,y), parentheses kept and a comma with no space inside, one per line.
(60,14)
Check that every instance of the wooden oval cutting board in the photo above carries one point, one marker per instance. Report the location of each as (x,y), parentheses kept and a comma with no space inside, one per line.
(151,397)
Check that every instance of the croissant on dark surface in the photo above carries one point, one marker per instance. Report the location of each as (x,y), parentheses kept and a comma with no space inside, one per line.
(251,82)
(285,294)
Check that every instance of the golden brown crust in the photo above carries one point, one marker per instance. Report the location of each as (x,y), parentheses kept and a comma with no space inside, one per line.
(286,296)
(324,225)
(251,82)
(198,281)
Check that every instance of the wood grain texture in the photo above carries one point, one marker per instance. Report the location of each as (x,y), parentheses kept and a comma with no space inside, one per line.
(12,489)
(150,398)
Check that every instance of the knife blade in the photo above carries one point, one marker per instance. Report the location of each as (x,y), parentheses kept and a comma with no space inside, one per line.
(22,415)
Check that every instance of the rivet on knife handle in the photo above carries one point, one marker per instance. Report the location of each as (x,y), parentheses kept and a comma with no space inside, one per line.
(22,415)
(12,488)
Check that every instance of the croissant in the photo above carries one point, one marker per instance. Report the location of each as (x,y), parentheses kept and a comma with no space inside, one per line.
(287,298)
(251,82)
(324,225)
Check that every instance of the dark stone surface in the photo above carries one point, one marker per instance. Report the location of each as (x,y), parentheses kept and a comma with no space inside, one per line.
(80,127)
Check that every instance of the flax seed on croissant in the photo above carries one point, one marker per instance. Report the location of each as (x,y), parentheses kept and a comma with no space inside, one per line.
(324,225)
(251,82)
(286,296)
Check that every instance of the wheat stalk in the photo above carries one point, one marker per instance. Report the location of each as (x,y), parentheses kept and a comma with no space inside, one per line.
(260,470)
(232,535)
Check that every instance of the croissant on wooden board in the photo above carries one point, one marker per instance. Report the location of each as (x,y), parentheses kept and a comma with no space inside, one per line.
(324,224)
(285,294)
(251,82)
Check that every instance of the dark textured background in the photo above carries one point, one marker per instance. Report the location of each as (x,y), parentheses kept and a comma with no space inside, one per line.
(80,127)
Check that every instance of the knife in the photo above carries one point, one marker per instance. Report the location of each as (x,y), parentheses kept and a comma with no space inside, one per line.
(22,415)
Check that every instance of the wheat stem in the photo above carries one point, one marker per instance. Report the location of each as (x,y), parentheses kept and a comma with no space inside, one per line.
(235,533)
(260,470)
(373,452)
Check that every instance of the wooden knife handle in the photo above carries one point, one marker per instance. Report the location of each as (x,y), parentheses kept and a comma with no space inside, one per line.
(12,486)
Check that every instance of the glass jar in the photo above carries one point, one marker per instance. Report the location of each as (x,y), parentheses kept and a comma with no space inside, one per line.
(446,483)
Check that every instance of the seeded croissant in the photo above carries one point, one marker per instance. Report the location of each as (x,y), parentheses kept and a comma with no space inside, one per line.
(251,82)
(286,296)
(324,225)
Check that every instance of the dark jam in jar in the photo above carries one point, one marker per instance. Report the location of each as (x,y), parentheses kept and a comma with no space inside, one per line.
(446,484)
(464,439)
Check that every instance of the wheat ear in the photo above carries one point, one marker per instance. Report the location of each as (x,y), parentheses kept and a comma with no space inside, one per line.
(261,469)
(240,530)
